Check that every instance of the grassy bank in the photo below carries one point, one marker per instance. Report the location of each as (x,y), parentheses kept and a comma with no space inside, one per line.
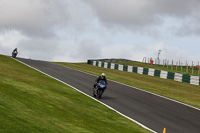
(33,102)
(182,92)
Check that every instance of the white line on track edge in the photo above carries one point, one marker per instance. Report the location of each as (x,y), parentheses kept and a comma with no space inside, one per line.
(143,126)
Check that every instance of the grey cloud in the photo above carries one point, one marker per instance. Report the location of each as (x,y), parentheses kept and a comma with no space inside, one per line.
(32,18)
(189,27)
(126,12)
(42,18)
(143,14)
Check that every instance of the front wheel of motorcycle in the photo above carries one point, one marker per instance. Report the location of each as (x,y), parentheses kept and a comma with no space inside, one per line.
(100,93)
(94,95)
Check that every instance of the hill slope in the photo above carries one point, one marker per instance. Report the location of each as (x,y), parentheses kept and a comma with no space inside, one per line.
(33,102)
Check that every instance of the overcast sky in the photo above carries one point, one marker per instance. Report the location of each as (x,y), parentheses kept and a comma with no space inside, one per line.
(77,30)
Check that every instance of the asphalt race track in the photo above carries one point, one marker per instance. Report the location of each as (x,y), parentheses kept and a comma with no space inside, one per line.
(152,111)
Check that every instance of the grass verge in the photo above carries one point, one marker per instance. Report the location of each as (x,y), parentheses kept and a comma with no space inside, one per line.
(33,102)
(182,92)
(174,69)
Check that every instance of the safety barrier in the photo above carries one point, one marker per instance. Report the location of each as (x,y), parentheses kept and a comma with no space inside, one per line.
(195,80)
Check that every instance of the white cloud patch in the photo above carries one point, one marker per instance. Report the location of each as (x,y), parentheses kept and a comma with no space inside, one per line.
(10,40)
(78,52)
(138,52)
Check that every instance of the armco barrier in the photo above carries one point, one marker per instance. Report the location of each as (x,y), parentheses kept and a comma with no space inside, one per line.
(195,80)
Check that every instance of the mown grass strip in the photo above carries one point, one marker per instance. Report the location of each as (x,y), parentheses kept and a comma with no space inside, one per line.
(33,102)
(165,68)
(182,92)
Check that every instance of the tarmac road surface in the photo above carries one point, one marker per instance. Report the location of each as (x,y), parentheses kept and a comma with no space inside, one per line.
(152,111)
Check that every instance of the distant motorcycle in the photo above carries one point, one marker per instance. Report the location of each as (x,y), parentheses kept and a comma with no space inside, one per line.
(14,54)
(100,88)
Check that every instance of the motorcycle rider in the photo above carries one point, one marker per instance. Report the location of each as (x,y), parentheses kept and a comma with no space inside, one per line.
(102,77)
(14,53)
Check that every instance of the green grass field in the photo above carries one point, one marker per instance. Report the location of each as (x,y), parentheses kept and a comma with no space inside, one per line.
(31,102)
(165,68)
(183,92)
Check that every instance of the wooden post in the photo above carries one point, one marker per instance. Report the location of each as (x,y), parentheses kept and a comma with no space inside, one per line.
(199,69)
(186,64)
(172,65)
(181,67)
(167,63)
(192,68)
(187,68)
(163,63)
(176,65)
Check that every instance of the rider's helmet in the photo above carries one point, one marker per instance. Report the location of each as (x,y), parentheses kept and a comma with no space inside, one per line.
(103,75)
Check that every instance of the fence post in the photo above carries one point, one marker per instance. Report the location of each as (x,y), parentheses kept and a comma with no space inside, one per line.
(199,68)
(163,63)
(172,65)
(167,63)
(187,67)
(181,67)
(192,68)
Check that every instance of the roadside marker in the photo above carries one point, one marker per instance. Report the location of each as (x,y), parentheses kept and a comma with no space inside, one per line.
(164,131)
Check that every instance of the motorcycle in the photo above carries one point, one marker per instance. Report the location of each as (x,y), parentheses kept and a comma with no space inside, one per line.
(14,54)
(99,89)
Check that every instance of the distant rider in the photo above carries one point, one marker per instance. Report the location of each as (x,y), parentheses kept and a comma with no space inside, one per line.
(14,53)
(102,77)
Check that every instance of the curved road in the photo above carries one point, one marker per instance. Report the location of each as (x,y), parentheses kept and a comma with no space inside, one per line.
(152,111)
